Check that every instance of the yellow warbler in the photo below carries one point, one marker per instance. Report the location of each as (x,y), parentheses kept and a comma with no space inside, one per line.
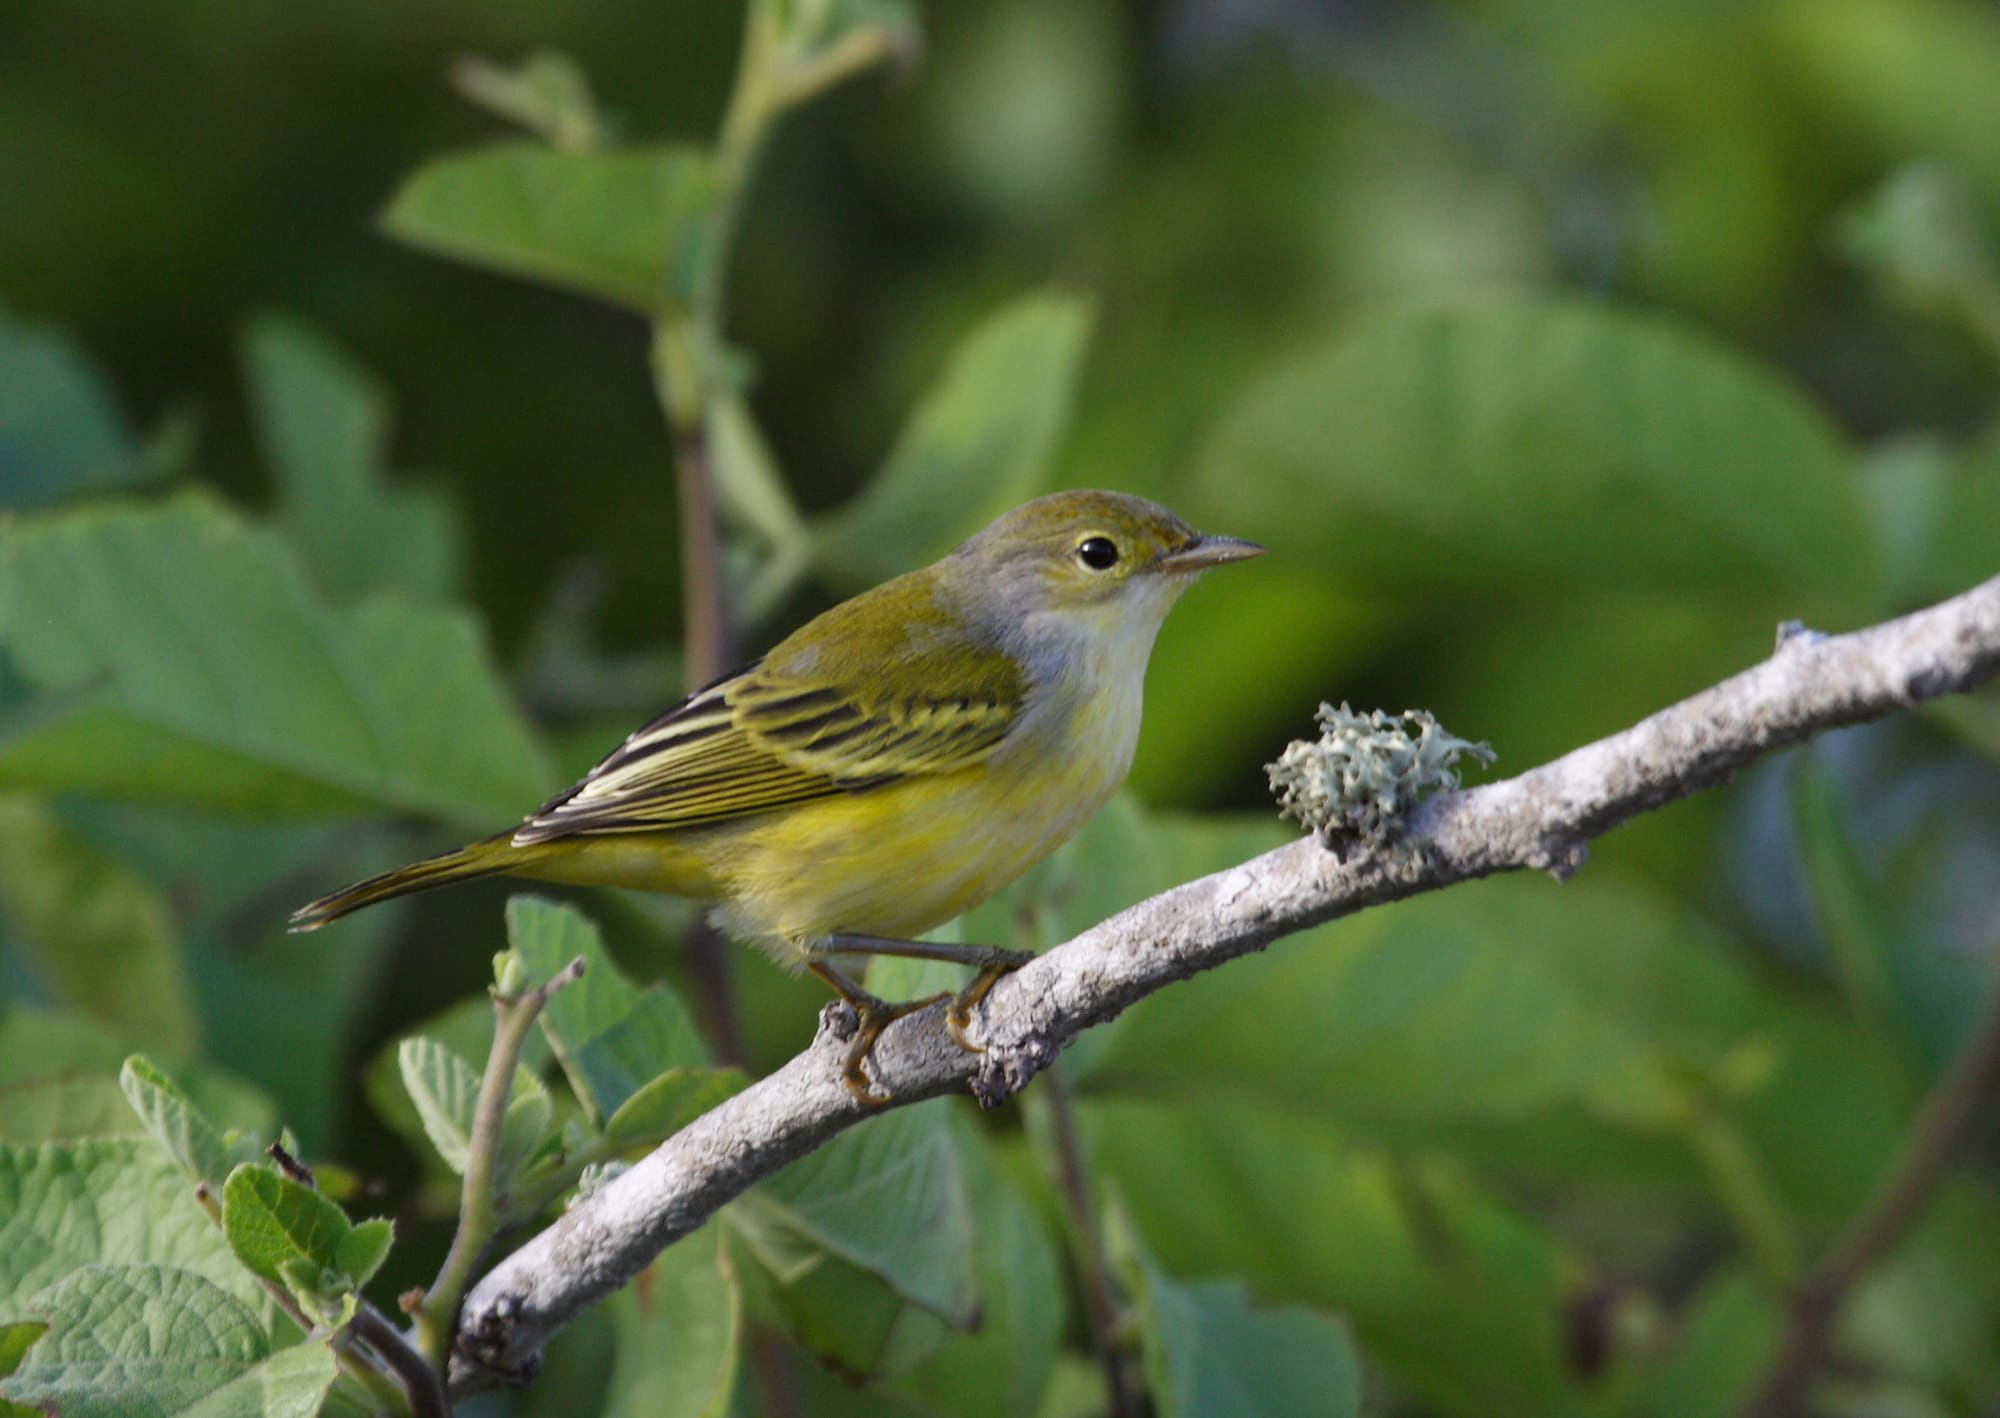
(889,765)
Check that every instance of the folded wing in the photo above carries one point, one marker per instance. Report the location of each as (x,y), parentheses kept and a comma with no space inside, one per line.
(777,735)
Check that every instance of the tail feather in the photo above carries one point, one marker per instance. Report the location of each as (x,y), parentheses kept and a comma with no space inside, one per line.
(487,857)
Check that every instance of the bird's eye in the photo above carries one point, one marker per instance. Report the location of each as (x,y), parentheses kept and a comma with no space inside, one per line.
(1098,553)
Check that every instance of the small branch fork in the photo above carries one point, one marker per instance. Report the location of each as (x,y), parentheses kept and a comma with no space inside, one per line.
(435,1311)
(1539,821)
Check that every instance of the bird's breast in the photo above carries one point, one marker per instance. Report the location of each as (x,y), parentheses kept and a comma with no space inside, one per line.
(904,858)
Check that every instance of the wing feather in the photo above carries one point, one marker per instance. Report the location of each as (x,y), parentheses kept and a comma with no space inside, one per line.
(776,735)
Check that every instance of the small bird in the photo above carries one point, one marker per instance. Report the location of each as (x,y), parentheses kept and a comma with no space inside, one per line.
(889,765)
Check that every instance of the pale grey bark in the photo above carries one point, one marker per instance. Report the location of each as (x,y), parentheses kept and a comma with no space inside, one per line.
(1540,820)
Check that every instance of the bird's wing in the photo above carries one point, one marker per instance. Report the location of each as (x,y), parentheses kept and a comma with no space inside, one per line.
(792,728)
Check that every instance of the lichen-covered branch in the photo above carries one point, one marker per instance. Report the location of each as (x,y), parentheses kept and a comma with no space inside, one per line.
(1541,820)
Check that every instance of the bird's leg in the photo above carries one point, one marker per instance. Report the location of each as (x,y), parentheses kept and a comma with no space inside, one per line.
(873,1015)
(991,961)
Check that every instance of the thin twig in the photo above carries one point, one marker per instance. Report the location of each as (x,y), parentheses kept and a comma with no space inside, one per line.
(710,650)
(423,1384)
(1539,821)
(1102,1303)
(1897,1205)
(436,1315)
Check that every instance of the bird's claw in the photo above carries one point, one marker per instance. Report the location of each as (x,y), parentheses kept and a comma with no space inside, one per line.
(958,1018)
(873,1016)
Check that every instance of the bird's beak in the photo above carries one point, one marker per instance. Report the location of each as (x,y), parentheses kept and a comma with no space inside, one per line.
(1200,552)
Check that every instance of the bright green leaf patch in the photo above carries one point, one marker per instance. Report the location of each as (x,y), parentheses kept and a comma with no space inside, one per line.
(465,1031)
(979,443)
(668,1103)
(213,676)
(889,1198)
(1210,1353)
(627,225)
(100,937)
(270,1220)
(445,1090)
(611,1037)
(680,1333)
(175,1123)
(1555,441)
(125,1340)
(64,1106)
(323,425)
(360,1253)
(110,1200)
(1002,1367)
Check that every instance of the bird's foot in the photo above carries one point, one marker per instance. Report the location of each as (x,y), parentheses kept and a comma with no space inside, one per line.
(958,1018)
(873,1016)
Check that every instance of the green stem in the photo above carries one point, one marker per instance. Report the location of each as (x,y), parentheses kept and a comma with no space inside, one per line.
(419,1387)
(436,1315)
(1747,1196)
(1898,1202)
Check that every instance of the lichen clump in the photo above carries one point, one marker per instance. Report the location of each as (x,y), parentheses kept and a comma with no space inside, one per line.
(1366,771)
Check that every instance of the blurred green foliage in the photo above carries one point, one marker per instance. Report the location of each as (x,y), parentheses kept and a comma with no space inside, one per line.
(1557,352)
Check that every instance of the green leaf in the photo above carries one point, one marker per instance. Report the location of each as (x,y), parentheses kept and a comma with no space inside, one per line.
(1003,1367)
(979,443)
(219,680)
(611,1037)
(1936,513)
(60,430)
(466,1031)
(680,1333)
(547,93)
(1430,444)
(1904,79)
(101,937)
(175,1123)
(445,1089)
(1724,1341)
(1210,1353)
(1929,1310)
(37,1044)
(669,1103)
(323,425)
(1436,1021)
(59,1079)
(14,1342)
(360,1253)
(270,1220)
(292,1383)
(1454,1296)
(119,1200)
(163,1342)
(889,1198)
(65,1106)
(1844,903)
(627,225)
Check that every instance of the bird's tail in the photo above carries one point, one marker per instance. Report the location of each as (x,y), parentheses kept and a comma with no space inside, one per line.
(487,857)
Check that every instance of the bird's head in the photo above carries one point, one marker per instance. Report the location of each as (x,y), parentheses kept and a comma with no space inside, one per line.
(1104,560)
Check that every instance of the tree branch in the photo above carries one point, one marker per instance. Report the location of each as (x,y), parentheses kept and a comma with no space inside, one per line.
(1540,821)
